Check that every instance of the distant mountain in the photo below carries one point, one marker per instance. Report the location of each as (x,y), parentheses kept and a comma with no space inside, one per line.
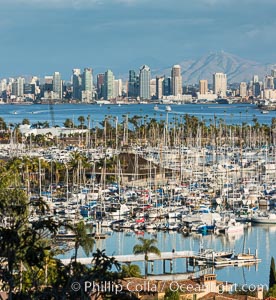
(236,68)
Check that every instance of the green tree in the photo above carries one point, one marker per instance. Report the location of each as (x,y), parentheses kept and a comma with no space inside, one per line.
(22,244)
(130,270)
(82,239)
(26,122)
(146,247)
(171,295)
(272,291)
(272,273)
(68,123)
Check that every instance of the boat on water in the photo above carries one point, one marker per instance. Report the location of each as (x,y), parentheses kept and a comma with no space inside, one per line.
(230,226)
(168,108)
(22,103)
(15,113)
(211,254)
(264,112)
(156,107)
(244,256)
(265,218)
(222,101)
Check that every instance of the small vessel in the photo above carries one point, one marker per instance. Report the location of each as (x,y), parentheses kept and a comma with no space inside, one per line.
(244,256)
(265,218)
(168,108)
(264,112)
(156,107)
(15,113)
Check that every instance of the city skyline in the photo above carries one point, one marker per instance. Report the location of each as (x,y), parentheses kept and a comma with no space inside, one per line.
(39,37)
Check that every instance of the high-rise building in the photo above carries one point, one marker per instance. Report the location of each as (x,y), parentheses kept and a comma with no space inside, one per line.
(100,85)
(76,82)
(108,85)
(20,83)
(203,87)
(18,87)
(87,85)
(255,79)
(57,85)
(87,80)
(273,73)
(243,89)
(3,86)
(153,88)
(29,89)
(220,84)
(257,87)
(144,82)
(167,86)
(159,86)
(269,82)
(176,80)
(133,84)
(118,87)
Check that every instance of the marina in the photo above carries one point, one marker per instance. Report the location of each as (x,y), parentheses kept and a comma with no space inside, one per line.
(198,196)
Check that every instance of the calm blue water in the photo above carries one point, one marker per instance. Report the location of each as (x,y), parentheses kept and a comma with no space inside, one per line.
(233,114)
(261,237)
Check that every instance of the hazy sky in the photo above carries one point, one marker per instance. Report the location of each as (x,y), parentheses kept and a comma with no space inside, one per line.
(43,36)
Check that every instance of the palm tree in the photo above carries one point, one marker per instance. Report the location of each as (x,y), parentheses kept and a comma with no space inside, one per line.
(146,247)
(82,239)
(130,271)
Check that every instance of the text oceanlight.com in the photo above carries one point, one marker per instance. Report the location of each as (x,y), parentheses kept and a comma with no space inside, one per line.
(162,286)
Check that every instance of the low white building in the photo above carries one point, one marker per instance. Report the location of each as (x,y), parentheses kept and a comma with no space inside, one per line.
(26,130)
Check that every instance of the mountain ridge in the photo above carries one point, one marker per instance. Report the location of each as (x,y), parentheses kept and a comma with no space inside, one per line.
(237,69)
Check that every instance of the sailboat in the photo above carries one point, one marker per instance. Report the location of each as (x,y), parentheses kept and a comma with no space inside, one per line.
(243,255)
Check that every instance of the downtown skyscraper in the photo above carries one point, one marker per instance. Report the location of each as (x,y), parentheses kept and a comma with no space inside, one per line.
(76,83)
(220,84)
(108,89)
(144,82)
(87,85)
(57,86)
(176,80)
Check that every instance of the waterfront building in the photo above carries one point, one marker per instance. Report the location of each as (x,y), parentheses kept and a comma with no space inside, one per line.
(118,87)
(133,84)
(76,83)
(269,94)
(269,82)
(167,86)
(144,82)
(87,85)
(108,85)
(159,86)
(100,85)
(29,89)
(176,80)
(203,86)
(153,88)
(3,86)
(243,89)
(20,84)
(257,87)
(57,85)
(220,84)
(18,87)
(87,80)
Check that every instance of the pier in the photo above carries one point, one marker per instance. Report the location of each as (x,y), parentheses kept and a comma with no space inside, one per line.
(192,258)
(129,258)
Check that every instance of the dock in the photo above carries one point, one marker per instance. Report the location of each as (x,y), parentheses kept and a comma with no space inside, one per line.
(191,256)
(129,258)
